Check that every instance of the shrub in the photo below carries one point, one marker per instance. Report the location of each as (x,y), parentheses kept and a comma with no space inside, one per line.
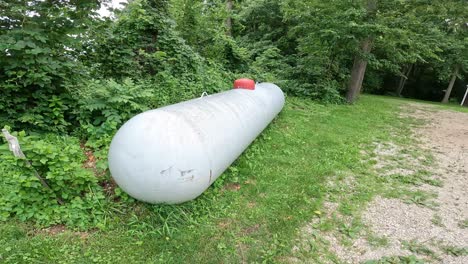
(327,91)
(40,110)
(103,105)
(59,160)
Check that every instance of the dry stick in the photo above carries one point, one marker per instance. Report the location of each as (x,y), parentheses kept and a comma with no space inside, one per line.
(464,97)
(14,146)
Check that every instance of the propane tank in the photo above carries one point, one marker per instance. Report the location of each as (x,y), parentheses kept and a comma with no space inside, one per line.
(174,153)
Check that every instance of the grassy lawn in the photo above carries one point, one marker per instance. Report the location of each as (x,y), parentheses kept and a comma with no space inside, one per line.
(253,213)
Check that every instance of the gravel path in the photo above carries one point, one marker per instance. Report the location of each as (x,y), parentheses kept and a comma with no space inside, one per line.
(440,229)
(435,229)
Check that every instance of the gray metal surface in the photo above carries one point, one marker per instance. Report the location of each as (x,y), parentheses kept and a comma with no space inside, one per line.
(174,153)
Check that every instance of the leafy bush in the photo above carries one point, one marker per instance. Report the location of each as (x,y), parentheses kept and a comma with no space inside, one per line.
(327,91)
(59,160)
(373,82)
(269,65)
(169,89)
(38,61)
(103,105)
(40,110)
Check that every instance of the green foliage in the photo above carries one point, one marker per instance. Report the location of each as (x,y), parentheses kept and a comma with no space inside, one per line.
(141,43)
(327,91)
(373,82)
(42,111)
(268,65)
(38,41)
(318,41)
(202,25)
(59,160)
(103,106)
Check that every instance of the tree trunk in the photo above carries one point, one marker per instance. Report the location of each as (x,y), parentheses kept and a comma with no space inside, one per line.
(360,62)
(358,71)
(452,82)
(229,4)
(403,80)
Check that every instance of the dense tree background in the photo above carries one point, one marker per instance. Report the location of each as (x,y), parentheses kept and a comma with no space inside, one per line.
(74,77)
(317,49)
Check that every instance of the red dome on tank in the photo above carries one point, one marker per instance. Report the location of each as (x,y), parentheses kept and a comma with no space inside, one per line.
(245,83)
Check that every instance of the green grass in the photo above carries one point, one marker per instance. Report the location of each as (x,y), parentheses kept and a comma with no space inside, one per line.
(463,223)
(280,184)
(437,220)
(397,260)
(418,248)
(455,251)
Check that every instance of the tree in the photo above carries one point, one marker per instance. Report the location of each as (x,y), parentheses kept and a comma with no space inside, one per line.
(229,4)
(450,86)
(360,62)
(331,36)
(456,45)
(404,78)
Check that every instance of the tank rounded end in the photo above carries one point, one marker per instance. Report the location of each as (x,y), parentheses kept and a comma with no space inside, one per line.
(158,157)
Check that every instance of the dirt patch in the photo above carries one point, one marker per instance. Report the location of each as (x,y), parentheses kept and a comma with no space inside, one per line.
(109,187)
(90,162)
(233,187)
(251,229)
(54,230)
(225,224)
(60,229)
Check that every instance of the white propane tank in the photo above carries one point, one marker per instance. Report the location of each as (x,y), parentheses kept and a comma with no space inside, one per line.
(174,153)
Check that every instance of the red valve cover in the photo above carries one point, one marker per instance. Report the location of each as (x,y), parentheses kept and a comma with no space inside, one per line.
(244,84)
